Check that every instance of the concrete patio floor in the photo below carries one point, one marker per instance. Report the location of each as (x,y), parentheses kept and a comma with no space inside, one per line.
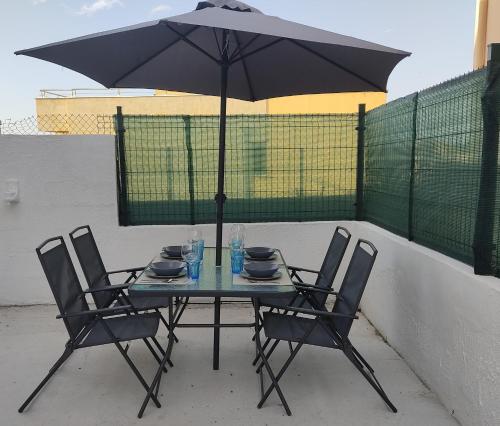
(96,387)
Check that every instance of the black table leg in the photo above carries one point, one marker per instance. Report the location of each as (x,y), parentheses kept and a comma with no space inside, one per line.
(216,333)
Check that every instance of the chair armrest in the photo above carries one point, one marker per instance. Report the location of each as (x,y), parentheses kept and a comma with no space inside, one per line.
(104,311)
(123,271)
(298,269)
(311,287)
(314,312)
(107,288)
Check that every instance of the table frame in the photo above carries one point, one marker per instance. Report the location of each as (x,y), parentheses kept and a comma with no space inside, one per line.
(253,292)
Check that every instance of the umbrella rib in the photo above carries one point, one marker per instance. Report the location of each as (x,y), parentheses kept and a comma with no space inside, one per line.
(355,74)
(241,49)
(150,58)
(247,75)
(193,45)
(253,52)
(217,41)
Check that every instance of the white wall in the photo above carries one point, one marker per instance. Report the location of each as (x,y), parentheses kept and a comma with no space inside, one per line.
(444,320)
(67,181)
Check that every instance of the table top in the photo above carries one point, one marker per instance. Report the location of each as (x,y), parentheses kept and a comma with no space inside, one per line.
(215,282)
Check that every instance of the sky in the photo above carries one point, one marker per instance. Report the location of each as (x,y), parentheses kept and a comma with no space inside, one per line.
(439,33)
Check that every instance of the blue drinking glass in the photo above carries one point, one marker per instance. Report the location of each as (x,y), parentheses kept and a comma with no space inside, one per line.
(193,268)
(237,259)
(235,244)
(201,249)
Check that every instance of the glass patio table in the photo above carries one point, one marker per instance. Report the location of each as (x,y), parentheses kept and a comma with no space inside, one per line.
(214,282)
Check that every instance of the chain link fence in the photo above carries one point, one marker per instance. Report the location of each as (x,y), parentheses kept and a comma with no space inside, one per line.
(59,124)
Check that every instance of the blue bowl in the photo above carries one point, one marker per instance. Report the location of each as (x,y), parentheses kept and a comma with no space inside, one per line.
(260,252)
(168,268)
(173,251)
(261,269)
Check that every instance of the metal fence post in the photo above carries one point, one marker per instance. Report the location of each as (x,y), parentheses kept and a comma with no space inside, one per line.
(485,216)
(121,170)
(360,172)
(412,168)
(189,149)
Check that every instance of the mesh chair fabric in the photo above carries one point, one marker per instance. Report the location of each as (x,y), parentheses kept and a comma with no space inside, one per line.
(93,268)
(293,329)
(352,288)
(65,286)
(299,301)
(331,264)
(142,303)
(123,328)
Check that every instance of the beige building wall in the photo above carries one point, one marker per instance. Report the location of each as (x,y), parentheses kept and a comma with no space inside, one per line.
(487,29)
(90,115)
(325,103)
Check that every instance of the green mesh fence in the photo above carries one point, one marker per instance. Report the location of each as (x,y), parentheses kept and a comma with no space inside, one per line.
(448,165)
(487,240)
(278,168)
(428,168)
(423,165)
(388,150)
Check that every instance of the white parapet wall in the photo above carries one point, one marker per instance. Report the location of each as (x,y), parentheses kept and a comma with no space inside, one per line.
(433,310)
(67,181)
(443,320)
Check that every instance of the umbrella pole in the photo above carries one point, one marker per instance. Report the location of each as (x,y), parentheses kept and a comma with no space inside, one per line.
(221,197)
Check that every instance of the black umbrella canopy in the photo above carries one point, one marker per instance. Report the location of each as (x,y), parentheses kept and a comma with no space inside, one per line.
(267,56)
(226,48)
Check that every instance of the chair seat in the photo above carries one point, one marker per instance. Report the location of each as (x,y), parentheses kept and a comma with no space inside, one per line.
(144,303)
(124,328)
(292,329)
(299,302)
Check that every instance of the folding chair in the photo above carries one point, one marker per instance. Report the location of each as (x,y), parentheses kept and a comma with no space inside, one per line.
(98,278)
(305,326)
(312,296)
(87,327)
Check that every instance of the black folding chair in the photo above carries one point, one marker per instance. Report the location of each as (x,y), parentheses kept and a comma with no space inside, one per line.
(98,278)
(87,327)
(323,328)
(312,296)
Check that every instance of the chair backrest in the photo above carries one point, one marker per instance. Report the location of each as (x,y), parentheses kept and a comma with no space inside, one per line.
(331,263)
(353,284)
(64,283)
(92,265)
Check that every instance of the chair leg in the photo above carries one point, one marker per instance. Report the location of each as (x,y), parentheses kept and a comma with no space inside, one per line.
(268,367)
(153,389)
(137,373)
(279,375)
(155,355)
(67,352)
(352,354)
(178,314)
(162,352)
(165,323)
(264,347)
(268,355)
(260,326)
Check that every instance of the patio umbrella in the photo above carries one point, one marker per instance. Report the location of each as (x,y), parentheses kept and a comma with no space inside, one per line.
(228,49)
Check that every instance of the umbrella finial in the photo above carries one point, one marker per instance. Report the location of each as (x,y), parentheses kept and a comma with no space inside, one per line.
(234,5)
